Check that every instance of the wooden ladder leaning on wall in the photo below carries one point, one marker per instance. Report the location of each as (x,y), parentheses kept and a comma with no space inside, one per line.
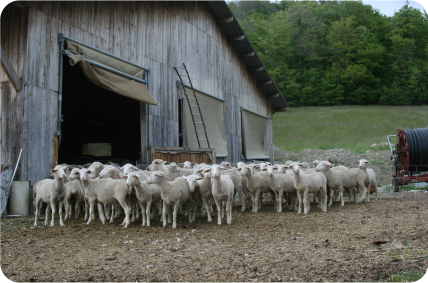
(195,110)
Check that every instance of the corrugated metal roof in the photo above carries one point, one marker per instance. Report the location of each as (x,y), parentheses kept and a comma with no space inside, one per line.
(234,29)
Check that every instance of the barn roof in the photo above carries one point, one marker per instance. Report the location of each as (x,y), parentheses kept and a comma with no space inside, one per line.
(225,17)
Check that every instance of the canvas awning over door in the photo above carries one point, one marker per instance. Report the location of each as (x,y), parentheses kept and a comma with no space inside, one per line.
(254,135)
(212,110)
(109,77)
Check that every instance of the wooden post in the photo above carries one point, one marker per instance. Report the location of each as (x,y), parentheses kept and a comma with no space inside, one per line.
(10,71)
(55,150)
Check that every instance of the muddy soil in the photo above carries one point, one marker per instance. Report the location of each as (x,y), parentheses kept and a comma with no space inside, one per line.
(358,242)
(380,160)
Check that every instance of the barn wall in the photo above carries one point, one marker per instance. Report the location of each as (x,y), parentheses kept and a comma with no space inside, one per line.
(156,35)
(13,42)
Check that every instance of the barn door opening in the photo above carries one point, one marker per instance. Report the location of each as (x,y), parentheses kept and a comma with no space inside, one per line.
(103,107)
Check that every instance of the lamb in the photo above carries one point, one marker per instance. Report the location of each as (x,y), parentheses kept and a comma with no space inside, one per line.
(127,168)
(256,184)
(146,194)
(74,193)
(309,183)
(172,193)
(192,182)
(105,191)
(338,180)
(74,176)
(203,183)
(226,165)
(51,192)
(280,183)
(223,190)
(370,182)
(188,165)
(95,168)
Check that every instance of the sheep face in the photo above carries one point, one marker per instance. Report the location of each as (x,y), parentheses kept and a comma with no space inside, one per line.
(188,165)
(323,166)
(296,166)
(107,172)
(59,170)
(245,170)
(225,164)
(131,179)
(270,170)
(192,181)
(155,177)
(281,169)
(362,163)
(215,171)
(74,174)
(155,164)
(128,168)
(85,174)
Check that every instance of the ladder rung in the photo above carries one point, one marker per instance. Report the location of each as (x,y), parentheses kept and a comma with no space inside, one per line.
(202,140)
(198,122)
(197,114)
(191,97)
(201,131)
(194,106)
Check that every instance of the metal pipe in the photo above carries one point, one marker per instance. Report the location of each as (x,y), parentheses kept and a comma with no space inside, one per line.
(58,132)
(148,119)
(389,141)
(103,52)
(109,69)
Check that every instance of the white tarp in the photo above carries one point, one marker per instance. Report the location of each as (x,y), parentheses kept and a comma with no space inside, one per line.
(254,135)
(213,114)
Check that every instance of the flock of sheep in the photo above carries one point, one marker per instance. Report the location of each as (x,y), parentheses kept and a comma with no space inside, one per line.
(128,189)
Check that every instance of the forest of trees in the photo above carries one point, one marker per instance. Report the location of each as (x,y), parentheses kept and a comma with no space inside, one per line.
(340,52)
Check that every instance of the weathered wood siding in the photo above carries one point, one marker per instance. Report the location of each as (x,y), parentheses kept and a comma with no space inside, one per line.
(13,42)
(156,35)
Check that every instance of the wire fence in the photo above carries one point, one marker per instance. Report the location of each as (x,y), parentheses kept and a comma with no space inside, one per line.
(6,180)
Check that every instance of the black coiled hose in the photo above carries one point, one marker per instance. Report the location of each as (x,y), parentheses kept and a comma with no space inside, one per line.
(417,139)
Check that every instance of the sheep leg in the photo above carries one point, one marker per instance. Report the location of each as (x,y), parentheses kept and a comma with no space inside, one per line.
(204,200)
(37,212)
(164,214)
(306,202)
(342,201)
(174,215)
(91,212)
(86,210)
(299,195)
(107,210)
(332,191)
(279,200)
(61,223)
(77,210)
(149,204)
(243,203)
(143,212)
(47,214)
(137,211)
(222,209)
(111,213)
(229,211)
(126,205)
(101,213)
(218,204)
(53,212)
(256,200)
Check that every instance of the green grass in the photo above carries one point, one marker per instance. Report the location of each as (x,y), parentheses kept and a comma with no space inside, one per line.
(349,127)
(408,276)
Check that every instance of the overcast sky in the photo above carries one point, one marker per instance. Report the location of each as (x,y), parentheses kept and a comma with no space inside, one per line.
(386,7)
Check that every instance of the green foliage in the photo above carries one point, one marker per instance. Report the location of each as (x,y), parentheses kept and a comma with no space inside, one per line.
(408,276)
(340,52)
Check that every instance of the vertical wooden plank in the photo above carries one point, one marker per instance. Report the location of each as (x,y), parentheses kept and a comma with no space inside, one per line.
(5,121)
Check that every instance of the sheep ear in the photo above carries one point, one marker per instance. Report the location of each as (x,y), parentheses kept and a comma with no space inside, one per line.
(357,161)
(264,169)
(111,170)
(235,164)
(366,161)
(239,169)
(53,170)
(125,177)
(198,178)
(89,172)
(76,172)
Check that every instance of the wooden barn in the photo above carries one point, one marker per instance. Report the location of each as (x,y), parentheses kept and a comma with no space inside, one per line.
(86,81)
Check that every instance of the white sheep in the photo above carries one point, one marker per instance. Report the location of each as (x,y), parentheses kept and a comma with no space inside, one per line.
(146,194)
(256,184)
(195,195)
(51,192)
(338,180)
(95,168)
(188,165)
(222,189)
(74,194)
(280,183)
(106,191)
(371,180)
(172,193)
(309,183)
(74,176)
(127,168)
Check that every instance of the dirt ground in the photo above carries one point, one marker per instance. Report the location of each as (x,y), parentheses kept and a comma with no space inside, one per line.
(379,159)
(357,242)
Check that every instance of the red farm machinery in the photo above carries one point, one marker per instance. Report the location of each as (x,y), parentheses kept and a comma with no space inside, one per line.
(409,156)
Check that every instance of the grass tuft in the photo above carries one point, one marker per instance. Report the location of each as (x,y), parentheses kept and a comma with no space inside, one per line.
(349,127)
(408,276)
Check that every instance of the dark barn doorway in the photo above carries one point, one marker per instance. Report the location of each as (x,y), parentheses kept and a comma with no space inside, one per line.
(98,125)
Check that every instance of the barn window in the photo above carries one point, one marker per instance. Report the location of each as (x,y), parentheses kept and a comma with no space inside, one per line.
(212,109)
(97,123)
(254,141)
